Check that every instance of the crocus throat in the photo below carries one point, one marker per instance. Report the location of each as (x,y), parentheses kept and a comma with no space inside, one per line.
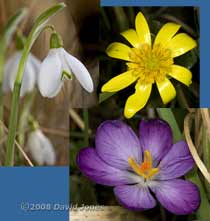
(145,169)
(150,64)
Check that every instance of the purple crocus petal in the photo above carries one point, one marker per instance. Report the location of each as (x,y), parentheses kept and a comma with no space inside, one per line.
(135,197)
(116,142)
(176,163)
(178,196)
(155,136)
(98,171)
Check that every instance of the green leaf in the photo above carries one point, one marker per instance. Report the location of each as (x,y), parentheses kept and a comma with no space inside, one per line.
(189,59)
(203,211)
(39,26)
(82,191)
(12,24)
(105,95)
(167,115)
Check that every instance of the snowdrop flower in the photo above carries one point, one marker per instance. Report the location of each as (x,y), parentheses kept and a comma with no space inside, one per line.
(41,148)
(60,65)
(29,77)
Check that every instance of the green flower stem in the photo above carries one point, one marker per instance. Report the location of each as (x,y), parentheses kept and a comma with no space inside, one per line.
(39,26)
(203,211)
(12,125)
(23,119)
(86,129)
(2,60)
(5,40)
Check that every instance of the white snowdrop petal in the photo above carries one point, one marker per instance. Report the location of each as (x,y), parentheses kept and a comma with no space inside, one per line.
(41,148)
(49,153)
(29,75)
(35,147)
(47,149)
(49,78)
(79,70)
(35,62)
(29,79)
(10,71)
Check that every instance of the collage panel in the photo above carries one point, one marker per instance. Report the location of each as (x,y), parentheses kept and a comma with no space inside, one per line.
(142,152)
(100,111)
(152,53)
(151,167)
(60,70)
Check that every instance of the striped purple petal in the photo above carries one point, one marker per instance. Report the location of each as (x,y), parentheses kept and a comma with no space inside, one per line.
(178,196)
(98,171)
(116,142)
(177,162)
(135,197)
(155,136)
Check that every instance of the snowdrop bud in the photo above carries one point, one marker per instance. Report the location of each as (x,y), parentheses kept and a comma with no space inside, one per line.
(56,40)
(59,65)
(41,149)
(29,77)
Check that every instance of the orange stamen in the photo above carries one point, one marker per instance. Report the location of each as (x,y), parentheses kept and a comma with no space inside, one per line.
(145,169)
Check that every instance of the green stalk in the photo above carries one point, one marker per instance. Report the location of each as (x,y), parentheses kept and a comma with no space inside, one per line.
(2,59)
(39,26)
(86,129)
(12,125)
(5,40)
(23,119)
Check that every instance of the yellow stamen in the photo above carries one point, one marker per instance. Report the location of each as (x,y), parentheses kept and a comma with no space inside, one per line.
(150,64)
(145,169)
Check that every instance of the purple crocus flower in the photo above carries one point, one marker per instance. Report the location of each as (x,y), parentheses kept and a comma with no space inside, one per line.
(138,166)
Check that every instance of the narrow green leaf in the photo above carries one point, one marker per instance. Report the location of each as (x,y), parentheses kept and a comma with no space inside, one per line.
(167,115)
(203,211)
(39,26)
(206,156)
(86,129)
(12,24)
(105,95)
(189,59)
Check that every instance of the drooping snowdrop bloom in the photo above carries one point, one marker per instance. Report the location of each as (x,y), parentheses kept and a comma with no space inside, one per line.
(29,77)
(41,148)
(138,166)
(60,65)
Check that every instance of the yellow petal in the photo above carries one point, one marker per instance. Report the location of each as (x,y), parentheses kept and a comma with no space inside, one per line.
(181,74)
(180,44)
(119,82)
(131,36)
(166,90)
(142,29)
(138,100)
(118,50)
(166,33)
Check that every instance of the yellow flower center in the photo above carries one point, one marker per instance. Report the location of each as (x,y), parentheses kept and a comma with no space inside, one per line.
(145,169)
(150,64)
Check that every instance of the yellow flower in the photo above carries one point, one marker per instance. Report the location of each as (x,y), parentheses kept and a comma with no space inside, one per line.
(149,63)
